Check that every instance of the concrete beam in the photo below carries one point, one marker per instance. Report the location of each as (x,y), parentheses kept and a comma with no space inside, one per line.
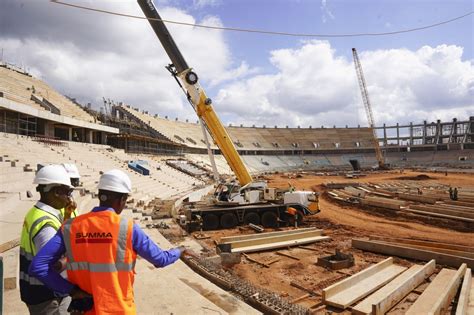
(356,287)
(439,294)
(385,298)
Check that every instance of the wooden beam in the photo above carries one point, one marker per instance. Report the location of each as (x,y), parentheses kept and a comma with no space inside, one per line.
(439,294)
(385,298)
(9,245)
(300,298)
(302,288)
(358,286)
(466,288)
(256,261)
(412,253)
(309,248)
(287,255)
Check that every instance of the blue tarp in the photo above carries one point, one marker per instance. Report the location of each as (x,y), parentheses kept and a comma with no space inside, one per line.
(139,167)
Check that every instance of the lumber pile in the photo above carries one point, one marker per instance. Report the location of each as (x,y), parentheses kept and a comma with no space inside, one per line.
(445,254)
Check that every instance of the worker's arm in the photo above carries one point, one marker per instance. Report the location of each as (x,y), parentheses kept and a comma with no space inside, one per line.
(42,238)
(42,266)
(150,251)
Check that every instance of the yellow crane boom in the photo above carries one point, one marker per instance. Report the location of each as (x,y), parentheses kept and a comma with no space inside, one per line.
(196,95)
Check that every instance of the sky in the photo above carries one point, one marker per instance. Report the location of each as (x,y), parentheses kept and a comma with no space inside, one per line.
(256,79)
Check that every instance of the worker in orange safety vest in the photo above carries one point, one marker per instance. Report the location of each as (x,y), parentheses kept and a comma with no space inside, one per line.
(101,249)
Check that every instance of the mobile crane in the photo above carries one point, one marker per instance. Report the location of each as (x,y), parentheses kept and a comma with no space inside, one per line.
(235,203)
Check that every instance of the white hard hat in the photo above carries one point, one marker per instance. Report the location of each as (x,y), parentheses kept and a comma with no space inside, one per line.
(52,174)
(72,170)
(115,180)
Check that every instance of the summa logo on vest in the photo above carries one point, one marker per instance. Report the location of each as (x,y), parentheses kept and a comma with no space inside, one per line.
(94,237)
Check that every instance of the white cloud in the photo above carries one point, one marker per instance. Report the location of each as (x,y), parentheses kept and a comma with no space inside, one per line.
(316,86)
(89,55)
(326,12)
(206,3)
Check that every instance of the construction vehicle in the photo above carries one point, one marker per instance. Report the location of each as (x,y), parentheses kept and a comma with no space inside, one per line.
(368,111)
(244,201)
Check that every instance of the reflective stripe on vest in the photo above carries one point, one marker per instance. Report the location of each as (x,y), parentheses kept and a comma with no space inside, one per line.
(119,264)
(31,280)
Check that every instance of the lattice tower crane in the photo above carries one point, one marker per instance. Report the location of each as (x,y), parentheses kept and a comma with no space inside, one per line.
(368,109)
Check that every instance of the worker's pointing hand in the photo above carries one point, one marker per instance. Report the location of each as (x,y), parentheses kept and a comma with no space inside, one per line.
(187,253)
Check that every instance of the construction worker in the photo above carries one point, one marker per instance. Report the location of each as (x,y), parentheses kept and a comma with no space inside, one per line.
(39,226)
(101,249)
(293,214)
(455,193)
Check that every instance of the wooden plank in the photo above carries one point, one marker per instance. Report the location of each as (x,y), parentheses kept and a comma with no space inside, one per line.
(300,298)
(439,294)
(384,299)
(256,261)
(9,245)
(463,301)
(413,253)
(287,255)
(356,287)
(299,286)
(309,248)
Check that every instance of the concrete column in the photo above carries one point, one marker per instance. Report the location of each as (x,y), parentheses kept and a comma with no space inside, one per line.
(90,136)
(70,134)
(398,135)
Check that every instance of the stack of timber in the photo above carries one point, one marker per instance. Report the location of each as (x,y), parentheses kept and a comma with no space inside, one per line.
(270,240)
(444,254)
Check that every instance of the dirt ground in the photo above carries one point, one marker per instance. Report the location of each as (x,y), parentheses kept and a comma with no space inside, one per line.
(341,223)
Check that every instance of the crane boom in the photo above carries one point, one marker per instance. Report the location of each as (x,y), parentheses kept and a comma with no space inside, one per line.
(368,108)
(196,95)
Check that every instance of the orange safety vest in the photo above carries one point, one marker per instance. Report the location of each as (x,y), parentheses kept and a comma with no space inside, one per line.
(101,260)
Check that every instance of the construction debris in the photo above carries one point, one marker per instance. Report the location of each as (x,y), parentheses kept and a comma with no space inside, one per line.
(337,261)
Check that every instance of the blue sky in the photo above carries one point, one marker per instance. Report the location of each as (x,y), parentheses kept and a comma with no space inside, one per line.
(339,17)
(255,79)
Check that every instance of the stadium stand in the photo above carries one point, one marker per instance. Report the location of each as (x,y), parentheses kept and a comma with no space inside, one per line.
(31,91)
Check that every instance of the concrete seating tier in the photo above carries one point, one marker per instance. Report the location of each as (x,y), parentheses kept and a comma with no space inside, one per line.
(20,87)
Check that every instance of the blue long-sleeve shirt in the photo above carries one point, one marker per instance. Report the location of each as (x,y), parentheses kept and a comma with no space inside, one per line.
(42,265)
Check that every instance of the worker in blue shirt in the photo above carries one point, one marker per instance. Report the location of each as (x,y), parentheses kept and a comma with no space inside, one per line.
(89,242)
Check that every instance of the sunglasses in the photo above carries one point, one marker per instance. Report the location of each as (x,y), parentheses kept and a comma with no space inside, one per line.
(64,190)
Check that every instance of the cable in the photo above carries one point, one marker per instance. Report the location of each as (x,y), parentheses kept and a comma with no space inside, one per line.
(263,31)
